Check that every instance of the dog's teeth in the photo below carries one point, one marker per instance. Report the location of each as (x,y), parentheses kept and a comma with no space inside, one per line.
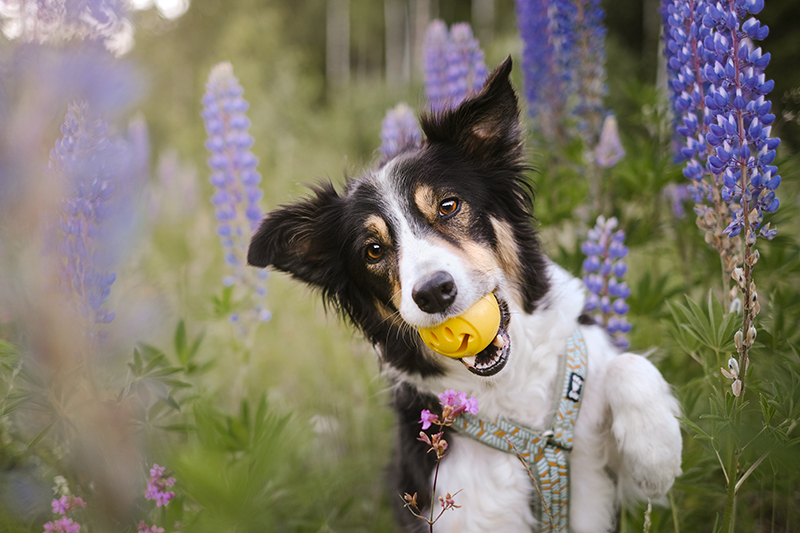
(468,361)
(498,341)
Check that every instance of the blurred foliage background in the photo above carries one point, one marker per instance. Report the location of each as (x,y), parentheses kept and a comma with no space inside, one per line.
(288,429)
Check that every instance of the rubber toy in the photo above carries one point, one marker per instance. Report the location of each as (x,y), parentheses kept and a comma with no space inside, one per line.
(466,334)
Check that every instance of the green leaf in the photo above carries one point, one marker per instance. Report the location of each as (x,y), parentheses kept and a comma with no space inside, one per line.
(44,431)
(180,342)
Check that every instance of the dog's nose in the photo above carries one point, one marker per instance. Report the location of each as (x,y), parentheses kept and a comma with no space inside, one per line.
(435,294)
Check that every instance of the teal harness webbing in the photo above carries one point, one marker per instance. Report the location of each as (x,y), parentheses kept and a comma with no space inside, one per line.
(545,451)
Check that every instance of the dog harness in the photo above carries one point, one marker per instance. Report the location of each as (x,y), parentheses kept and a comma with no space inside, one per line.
(546,452)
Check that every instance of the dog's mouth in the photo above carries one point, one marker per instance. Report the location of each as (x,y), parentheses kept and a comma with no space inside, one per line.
(494,357)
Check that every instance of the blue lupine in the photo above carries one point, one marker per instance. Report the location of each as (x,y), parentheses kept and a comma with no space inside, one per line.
(235,177)
(563,55)
(399,131)
(545,88)
(87,163)
(453,63)
(726,129)
(603,268)
(609,149)
(741,151)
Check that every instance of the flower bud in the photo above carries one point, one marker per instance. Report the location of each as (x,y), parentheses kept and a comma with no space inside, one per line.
(738,276)
(733,366)
(737,340)
(736,387)
(751,335)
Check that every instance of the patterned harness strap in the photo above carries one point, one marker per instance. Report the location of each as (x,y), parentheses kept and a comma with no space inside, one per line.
(546,452)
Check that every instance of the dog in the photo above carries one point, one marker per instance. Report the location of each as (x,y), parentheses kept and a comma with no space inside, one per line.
(421,239)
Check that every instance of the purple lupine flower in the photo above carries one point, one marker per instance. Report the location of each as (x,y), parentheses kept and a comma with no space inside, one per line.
(453,64)
(86,161)
(609,150)
(563,54)
(544,85)
(603,267)
(157,485)
(710,47)
(677,194)
(236,179)
(741,151)
(400,130)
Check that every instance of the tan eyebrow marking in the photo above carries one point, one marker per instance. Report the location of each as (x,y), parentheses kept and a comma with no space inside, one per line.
(377,225)
(425,201)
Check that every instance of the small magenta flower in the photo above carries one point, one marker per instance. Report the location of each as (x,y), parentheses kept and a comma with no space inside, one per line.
(144,528)
(400,131)
(427,418)
(603,267)
(453,403)
(62,525)
(157,485)
(236,179)
(65,504)
(609,150)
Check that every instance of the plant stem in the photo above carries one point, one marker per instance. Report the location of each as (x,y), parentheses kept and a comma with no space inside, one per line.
(433,491)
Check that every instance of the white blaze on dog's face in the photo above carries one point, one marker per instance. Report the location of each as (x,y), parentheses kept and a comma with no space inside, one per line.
(441,267)
(425,236)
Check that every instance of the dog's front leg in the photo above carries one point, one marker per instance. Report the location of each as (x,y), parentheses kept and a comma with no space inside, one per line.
(645,427)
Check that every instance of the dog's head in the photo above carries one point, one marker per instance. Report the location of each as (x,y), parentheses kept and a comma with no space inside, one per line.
(425,236)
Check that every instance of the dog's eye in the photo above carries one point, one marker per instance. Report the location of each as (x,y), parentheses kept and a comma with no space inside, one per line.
(374,252)
(449,207)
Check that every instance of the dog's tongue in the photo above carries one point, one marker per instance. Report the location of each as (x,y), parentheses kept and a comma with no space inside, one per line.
(464,336)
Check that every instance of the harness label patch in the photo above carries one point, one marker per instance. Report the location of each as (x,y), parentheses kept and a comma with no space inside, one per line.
(575,386)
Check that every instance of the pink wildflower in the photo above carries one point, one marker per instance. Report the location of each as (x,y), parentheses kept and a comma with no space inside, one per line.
(157,485)
(144,528)
(471,405)
(426,418)
(60,506)
(450,398)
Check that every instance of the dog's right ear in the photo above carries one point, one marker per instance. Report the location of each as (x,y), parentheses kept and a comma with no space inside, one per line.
(298,238)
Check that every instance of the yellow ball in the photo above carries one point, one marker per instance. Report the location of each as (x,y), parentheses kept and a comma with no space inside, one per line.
(468,333)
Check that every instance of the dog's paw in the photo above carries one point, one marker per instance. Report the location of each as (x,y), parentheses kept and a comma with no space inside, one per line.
(645,427)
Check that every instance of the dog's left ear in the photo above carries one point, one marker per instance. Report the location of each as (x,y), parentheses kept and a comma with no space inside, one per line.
(485,126)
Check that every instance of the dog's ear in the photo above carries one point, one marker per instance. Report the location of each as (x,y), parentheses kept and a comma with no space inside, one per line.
(298,238)
(486,125)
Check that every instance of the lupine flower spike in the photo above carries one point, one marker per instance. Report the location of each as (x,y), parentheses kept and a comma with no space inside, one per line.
(83,159)
(236,179)
(609,150)
(563,55)
(453,63)
(731,155)
(604,268)
(400,130)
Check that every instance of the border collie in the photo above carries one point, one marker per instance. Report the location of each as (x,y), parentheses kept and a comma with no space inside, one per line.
(420,240)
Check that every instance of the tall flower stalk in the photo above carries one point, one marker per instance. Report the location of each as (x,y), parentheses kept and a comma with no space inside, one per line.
(563,63)
(236,180)
(83,159)
(454,404)
(453,63)
(728,145)
(400,130)
(604,268)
